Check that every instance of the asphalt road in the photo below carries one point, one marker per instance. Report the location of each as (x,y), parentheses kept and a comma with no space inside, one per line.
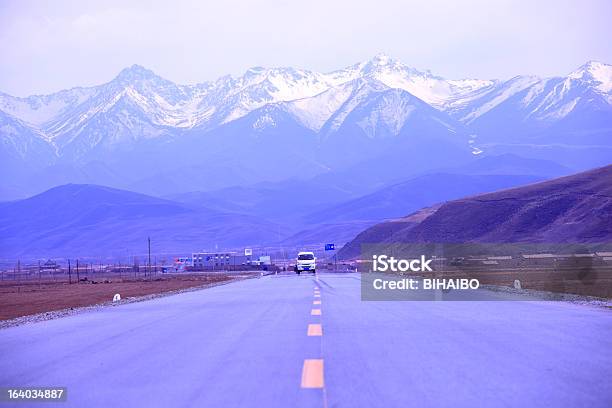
(261,342)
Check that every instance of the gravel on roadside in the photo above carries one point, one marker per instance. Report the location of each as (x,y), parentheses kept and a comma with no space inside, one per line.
(39,317)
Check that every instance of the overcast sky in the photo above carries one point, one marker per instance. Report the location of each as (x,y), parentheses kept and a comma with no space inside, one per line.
(46,46)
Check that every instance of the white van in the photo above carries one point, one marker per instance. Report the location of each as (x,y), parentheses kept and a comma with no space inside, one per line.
(305,262)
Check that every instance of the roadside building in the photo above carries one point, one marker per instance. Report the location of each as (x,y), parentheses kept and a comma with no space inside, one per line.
(225,260)
(206,261)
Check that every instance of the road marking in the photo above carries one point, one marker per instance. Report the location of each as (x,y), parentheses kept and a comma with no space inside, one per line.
(315,312)
(315,330)
(312,373)
(316,302)
(317,295)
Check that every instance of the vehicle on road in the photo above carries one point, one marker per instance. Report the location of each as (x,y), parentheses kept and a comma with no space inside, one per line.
(306,262)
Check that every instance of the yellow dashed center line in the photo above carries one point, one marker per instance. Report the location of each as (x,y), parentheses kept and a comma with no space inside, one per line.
(312,373)
(315,330)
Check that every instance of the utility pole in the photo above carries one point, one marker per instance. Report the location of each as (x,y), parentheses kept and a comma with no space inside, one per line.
(69,274)
(149,265)
(77,266)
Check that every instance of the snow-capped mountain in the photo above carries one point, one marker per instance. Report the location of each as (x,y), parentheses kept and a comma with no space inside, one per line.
(528,107)
(322,120)
(596,74)
(61,116)
(436,91)
(38,110)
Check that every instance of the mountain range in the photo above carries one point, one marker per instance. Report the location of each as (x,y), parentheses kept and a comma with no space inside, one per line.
(566,210)
(80,220)
(95,221)
(144,133)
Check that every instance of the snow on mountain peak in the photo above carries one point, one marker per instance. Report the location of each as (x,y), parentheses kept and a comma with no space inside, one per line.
(312,97)
(227,98)
(597,72)
(134,73)
(434,90)
(382,59)
(384,63)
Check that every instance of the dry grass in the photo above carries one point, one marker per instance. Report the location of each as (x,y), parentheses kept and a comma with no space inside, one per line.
(30,297)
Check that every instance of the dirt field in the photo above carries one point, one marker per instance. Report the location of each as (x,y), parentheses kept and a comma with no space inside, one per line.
(26,298)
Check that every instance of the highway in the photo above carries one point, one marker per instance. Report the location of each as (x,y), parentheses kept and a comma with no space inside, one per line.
(301,341)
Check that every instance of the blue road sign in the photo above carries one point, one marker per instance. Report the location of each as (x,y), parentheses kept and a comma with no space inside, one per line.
(330,247)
